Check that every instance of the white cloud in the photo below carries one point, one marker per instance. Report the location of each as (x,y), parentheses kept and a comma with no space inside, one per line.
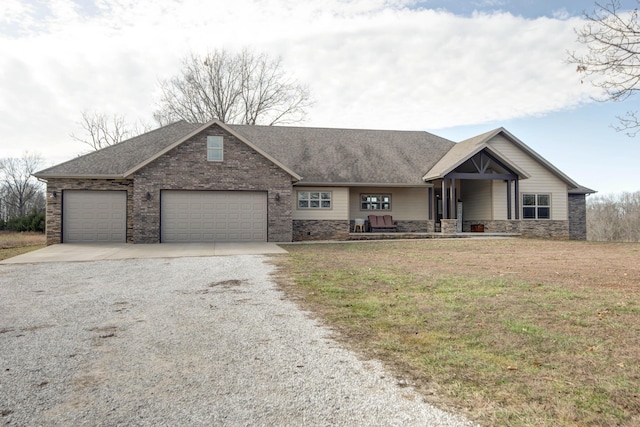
(369,63)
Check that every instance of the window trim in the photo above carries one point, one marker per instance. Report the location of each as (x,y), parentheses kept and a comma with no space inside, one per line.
(320,199)
(536,206)
(379,195)
(215,149)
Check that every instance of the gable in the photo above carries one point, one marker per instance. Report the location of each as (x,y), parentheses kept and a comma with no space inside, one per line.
(186,165)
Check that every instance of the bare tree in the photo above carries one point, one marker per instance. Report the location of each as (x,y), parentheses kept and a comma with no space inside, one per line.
(102,130)
(18,189)
(612,37)
(614,217)
(245,88)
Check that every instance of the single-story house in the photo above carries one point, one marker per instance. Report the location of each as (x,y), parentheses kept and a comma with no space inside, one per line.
(217,182)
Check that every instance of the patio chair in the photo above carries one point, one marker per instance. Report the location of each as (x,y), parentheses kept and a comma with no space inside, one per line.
(375,222)
(388,223)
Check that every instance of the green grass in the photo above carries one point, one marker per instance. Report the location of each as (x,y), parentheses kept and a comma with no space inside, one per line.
(518,349)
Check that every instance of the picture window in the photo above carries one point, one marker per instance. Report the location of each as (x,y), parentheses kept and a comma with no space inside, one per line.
(375,202)
(314,200)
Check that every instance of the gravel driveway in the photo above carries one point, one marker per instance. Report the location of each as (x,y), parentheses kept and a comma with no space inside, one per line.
(183,341)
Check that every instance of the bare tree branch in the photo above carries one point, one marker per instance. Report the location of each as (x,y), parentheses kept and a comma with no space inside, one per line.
(102,130)
(612,37)
(244,88)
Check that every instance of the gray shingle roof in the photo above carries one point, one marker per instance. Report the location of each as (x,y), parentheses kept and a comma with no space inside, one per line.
(115,160)
(319,155)
(350,156)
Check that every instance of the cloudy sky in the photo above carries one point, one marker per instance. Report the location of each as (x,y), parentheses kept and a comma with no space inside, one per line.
(453,68)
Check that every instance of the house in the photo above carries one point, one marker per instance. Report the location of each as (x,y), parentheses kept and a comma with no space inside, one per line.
(217,182)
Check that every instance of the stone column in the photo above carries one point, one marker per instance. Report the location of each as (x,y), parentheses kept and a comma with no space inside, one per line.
(449,226)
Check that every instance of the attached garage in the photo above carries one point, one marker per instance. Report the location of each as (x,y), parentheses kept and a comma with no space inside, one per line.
(213,216)
(94,216)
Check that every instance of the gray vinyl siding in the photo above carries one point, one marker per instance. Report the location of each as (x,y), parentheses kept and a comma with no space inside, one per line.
(541,181)
(476,200)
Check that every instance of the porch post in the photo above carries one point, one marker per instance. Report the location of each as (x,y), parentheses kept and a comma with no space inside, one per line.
(517,198)
(430,195)
(453,207)
(445,199)
(509,199)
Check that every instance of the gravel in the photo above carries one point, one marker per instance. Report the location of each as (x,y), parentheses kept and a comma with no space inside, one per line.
(184,341)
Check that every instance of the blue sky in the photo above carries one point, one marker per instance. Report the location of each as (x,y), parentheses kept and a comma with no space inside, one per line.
(454,68)
(526,8)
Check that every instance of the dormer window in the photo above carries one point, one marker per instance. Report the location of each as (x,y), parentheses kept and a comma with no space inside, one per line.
(214,148)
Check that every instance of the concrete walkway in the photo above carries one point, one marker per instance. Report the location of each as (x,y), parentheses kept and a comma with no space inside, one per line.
(88,252)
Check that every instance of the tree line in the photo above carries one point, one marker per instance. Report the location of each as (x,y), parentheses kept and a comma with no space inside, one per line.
(614,217)
(22,197)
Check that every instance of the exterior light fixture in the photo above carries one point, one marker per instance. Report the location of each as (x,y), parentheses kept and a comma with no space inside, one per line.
(147,196)
(277,197)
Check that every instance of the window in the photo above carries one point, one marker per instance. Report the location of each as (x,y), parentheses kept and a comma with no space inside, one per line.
(536,206)
(314,200)
(214,148)
(375,202)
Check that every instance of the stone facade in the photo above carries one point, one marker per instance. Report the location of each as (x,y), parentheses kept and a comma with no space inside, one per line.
(577,217)
(186,168)
(404,226)
(54,203)
(543,228)
(416,226)
(320,230)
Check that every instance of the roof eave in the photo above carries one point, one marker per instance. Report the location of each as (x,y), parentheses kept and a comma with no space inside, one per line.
(79,176)
(362,184)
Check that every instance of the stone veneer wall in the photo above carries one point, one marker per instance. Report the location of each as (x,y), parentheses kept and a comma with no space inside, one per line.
(320,230)
(577,217)
(186,168)
(54,204)
(415,226)
(404,226)
(546,229)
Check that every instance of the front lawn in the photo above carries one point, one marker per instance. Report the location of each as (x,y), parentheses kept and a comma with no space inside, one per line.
(511,332)
(13,243)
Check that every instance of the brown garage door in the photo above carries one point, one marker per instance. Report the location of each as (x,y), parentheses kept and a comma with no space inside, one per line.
(213,216)
(94,216)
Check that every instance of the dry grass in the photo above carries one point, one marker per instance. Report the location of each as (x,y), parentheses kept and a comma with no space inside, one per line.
(513,332)
(12,244)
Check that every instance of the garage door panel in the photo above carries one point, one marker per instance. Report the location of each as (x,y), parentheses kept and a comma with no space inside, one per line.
(213,216)
(94,216)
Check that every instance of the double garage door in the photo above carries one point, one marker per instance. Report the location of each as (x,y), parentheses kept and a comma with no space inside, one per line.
(213,216)
(186,216)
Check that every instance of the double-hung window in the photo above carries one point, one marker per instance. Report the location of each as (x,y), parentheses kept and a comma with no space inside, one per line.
(215,148)
(314,200)
(375,202)
(536,206)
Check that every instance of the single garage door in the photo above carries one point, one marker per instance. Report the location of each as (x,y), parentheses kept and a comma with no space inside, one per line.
(213,216)
(94,216)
